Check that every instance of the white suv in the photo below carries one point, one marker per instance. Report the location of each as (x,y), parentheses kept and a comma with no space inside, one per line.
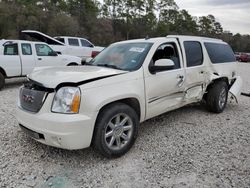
(102,103)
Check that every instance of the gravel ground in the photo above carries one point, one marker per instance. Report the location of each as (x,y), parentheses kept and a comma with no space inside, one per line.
(189,147)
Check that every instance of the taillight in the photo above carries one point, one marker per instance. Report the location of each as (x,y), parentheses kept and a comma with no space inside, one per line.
(94,53)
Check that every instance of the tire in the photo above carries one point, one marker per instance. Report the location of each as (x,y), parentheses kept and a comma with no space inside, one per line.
(72,64)
(2,81)
(116,130)
(216,99)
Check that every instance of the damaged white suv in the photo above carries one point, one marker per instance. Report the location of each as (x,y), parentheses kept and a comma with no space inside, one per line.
(102,103)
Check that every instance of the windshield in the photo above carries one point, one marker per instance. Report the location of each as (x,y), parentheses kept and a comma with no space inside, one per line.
(125,56)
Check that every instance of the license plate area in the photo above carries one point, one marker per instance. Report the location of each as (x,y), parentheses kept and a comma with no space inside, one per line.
(31,133)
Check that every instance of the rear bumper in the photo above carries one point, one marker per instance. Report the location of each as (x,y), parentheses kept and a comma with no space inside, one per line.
(59,130)
(235,89)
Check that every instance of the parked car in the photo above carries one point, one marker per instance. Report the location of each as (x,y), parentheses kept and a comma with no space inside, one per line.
(237,56)
(19,58)
(76,46)
(101,104)
(243,57)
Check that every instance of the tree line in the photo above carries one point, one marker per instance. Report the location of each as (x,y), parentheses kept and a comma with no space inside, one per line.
(110,20)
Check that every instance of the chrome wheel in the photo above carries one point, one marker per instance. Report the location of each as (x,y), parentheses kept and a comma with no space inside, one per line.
(222,98)
(118,131)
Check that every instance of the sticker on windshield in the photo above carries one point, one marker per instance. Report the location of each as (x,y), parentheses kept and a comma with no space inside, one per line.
(137,49)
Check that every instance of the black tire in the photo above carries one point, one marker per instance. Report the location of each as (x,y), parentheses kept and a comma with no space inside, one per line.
(216,99)
(102,128)
(72,64)
(2,81)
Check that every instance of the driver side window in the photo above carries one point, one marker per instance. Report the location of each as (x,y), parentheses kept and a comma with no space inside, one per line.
(167,51)
(43,50)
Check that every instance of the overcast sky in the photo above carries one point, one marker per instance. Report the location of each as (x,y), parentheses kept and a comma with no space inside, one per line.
(234,15)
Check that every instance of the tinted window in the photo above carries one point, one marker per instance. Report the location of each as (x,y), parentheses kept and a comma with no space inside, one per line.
(73,42)
(60,39)
(220,53)
(43,50)
(11,49)
(85,43)
(26,49)
(194,53)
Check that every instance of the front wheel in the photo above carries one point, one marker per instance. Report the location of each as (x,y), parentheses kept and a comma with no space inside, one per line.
(217,95)
(2,81)
(116,130)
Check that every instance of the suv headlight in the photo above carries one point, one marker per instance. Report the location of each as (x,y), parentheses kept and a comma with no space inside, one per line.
(67,100)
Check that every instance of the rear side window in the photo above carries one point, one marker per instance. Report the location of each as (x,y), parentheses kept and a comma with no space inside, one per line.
(73,42)
(60,39)
(86,43)
(26,49)
(11,49)
(220,53)
(194,53)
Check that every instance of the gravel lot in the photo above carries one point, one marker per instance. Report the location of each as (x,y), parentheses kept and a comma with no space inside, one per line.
(189,147)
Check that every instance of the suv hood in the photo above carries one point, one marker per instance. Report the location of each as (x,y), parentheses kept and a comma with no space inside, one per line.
(51,77)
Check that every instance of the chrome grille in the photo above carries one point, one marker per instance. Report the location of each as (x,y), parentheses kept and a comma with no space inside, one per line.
(32,97)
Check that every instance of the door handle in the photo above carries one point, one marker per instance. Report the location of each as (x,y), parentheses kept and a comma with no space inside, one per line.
(39,59)
(181,80)
(202,72)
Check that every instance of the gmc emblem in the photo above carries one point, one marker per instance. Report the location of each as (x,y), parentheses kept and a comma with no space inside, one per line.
(28,98)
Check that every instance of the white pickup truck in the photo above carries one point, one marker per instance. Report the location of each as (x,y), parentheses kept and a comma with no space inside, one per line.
(18,58)
(76,46)
(101,104)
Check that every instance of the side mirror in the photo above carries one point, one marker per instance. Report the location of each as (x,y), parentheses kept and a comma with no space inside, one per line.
(162,65)
(52,53)
(87,60)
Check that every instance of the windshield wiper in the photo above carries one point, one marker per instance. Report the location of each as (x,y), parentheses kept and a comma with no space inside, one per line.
(109,66)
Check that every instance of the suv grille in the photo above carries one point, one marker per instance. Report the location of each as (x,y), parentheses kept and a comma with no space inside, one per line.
(32,97)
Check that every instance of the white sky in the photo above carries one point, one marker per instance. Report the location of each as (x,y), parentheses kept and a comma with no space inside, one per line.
(234,15)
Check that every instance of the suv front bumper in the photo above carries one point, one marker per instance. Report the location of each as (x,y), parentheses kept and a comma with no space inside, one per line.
(59,130)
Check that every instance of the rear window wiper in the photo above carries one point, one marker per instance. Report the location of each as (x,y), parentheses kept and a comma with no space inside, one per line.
(109,66)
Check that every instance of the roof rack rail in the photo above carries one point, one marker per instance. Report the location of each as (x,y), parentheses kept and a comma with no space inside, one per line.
(198,37)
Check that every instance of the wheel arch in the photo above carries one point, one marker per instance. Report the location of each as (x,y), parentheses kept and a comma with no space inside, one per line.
(130,101)
(215,80)
(72,64)
(3,72)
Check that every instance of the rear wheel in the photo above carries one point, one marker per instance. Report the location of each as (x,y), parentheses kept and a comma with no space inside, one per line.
(217,95)
(2,81)
(72,64)
(116,130)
